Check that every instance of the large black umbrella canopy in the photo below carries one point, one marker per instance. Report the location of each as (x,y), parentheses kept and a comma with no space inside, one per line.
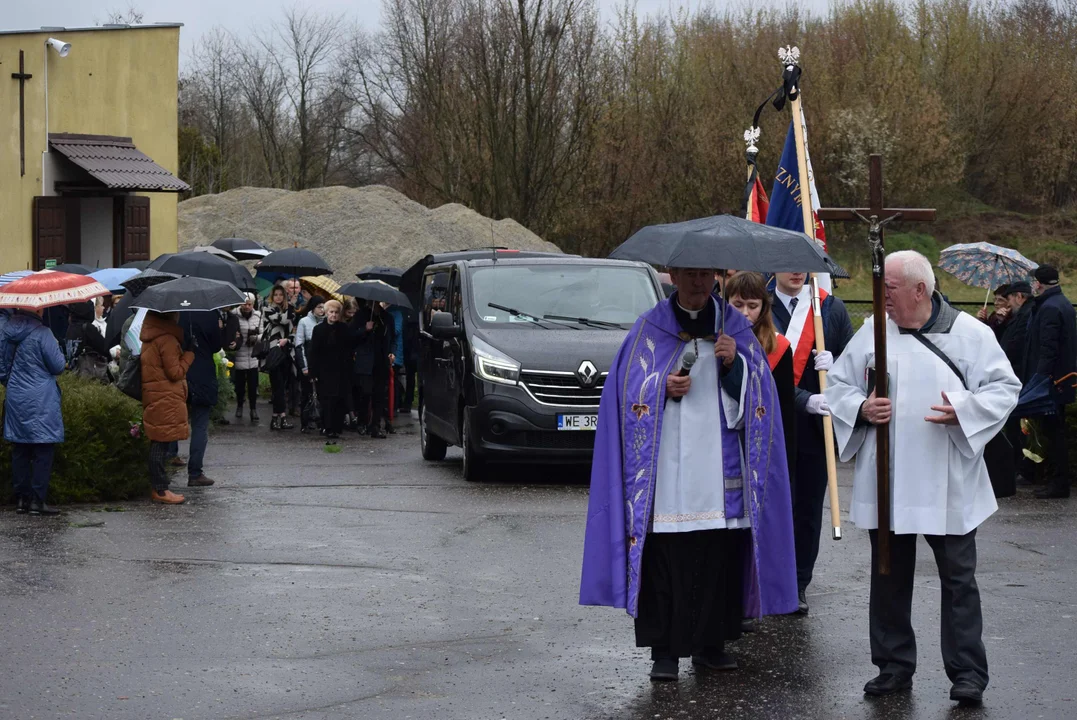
(726,242)
(147,278)
(189,294)
(137,264)
(74,268)
(295,261)
(122,309)
(242,248)
(205,265)
(377,291)
(384,273)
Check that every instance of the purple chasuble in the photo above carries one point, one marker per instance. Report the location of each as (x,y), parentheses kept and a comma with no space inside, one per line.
(625,465)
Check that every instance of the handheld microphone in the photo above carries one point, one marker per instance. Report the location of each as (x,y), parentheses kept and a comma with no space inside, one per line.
(687,362)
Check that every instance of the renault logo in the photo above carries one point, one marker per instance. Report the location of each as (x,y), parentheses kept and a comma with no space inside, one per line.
(587,374)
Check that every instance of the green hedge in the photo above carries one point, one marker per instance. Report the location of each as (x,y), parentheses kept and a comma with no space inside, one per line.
(100,459)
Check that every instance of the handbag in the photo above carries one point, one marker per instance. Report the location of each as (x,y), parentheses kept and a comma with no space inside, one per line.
(130,380)
(261,347)
(276,357)
(312,413)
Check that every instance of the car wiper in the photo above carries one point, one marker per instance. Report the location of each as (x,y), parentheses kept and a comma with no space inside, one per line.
(585,321)
(519,314)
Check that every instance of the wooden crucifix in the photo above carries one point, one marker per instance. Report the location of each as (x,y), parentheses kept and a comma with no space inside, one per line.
(877,216)
(22,76)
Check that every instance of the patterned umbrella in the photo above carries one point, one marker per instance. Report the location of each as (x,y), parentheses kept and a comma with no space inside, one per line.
(985,265)
(48,289)
(327,287)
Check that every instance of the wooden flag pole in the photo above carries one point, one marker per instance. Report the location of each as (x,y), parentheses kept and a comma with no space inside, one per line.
(816,306)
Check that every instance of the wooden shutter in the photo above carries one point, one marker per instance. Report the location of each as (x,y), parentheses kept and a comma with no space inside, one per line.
(134,231)
(50,231)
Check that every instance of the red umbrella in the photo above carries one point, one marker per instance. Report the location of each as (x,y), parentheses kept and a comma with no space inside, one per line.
(46,289)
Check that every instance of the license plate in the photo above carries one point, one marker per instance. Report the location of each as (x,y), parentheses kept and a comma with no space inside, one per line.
(577,422)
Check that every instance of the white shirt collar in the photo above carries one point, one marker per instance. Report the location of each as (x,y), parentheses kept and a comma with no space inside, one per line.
(802,295)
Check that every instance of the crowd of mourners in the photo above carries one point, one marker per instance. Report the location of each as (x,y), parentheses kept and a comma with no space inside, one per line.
(333,367)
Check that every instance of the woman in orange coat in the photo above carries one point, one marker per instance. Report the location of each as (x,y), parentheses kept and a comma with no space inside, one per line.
(164,395)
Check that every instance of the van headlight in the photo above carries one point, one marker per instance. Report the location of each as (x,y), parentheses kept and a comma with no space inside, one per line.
(493,365)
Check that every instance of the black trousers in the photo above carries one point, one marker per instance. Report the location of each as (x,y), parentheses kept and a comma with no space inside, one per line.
(246,382)
(809,490)
(31,469)
(279,377)
(374,393)
(893,643)
(1058,466)
(332,413)
(690,592)
(159,479)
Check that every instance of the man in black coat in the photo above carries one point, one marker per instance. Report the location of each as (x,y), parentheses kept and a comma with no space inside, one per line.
(1051,350)
(203,330)
(1012,341)
(375,334)
(794,318)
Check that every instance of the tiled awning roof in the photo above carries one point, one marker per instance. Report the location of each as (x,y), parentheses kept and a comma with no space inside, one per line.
(116,162)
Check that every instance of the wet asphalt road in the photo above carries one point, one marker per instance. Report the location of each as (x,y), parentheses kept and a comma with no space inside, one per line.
(369,584)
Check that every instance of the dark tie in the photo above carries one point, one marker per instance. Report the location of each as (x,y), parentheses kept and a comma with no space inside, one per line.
(793,305)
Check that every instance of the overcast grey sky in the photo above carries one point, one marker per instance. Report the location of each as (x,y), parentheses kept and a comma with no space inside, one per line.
(198,16)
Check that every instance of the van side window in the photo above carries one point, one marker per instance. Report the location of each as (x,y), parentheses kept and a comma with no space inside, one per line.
(435,289)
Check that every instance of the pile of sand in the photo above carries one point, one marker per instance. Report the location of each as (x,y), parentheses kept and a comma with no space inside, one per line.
(349,227)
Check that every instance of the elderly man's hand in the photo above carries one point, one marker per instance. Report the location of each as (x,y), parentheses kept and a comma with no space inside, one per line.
(725,349)
(876,410)
(677,385)
(948,416)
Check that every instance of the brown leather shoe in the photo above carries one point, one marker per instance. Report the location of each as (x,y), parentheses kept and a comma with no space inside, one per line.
(200,481)
(177,462)
(166,498)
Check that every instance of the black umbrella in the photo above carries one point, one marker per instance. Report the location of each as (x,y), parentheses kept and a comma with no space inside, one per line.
(205,265)
(137,264)
(390,275)
(147,278)
(376,290)
(297,262)
(122,309)
(74,269)
(189,294)
(726,242)
(242,248)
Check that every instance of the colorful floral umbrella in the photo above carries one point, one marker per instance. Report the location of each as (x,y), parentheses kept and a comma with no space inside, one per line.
(48,289)
(985,265)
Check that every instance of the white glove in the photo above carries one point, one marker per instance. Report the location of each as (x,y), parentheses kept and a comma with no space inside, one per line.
(817,404)
(824,361)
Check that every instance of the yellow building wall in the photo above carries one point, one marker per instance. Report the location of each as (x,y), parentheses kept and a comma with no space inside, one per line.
(120,82)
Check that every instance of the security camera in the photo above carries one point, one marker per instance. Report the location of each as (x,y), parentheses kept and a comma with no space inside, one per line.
(59,46)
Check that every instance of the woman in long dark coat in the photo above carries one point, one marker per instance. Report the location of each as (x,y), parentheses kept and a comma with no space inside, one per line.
(330,363)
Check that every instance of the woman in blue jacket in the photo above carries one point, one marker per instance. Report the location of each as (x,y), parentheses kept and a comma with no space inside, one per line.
(30,360)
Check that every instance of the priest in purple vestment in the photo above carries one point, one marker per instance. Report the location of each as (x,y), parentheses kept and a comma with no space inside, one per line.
(689,523)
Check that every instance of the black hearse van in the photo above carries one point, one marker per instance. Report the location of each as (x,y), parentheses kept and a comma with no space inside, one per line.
(514,351)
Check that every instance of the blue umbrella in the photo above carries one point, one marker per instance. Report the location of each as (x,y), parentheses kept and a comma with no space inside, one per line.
(985,265)
(112,278)
(13,276)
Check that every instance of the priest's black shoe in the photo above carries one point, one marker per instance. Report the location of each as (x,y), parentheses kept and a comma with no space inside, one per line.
(747,625)
(1052,493)
(887,684)
(39,508)
(967,694)
(802,603)
(716,661)
(665,669)
(22,505)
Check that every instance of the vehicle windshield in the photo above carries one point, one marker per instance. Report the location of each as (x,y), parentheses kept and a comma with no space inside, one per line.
(589,293)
